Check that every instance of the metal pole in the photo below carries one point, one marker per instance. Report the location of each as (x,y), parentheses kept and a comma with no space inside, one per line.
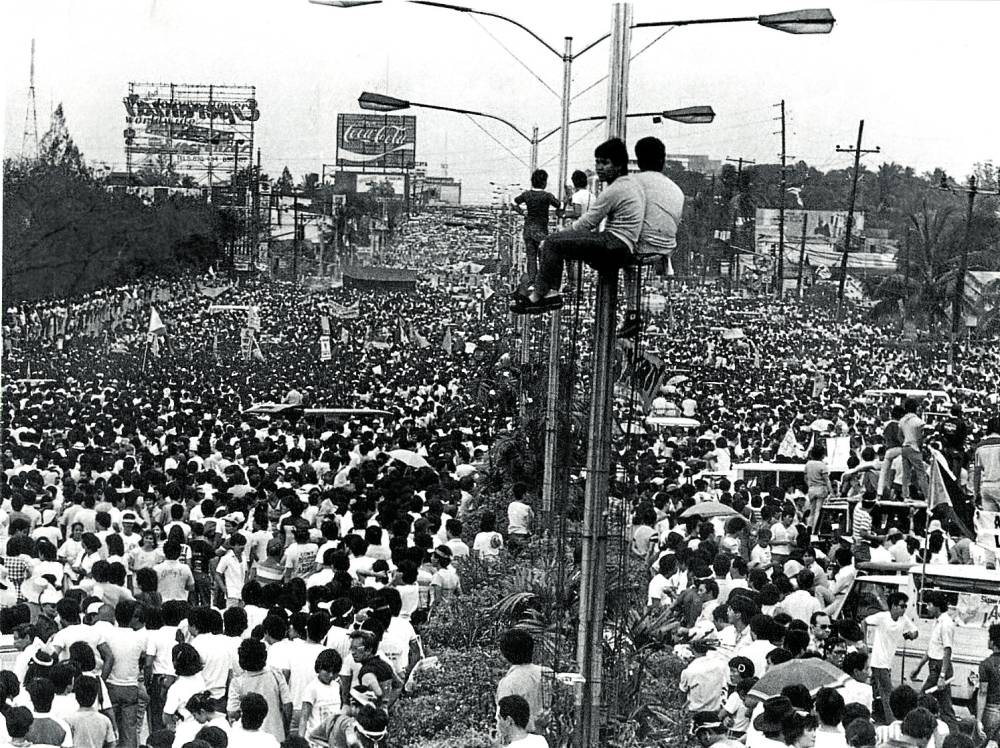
(590,640)
(963,267)
(553,434)
(779,286)
(533,160)
(850,221)
(802,251)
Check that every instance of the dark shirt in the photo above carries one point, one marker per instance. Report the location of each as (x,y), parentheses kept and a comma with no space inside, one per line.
(202,552)
(537,204)
(989,676)
(893,435)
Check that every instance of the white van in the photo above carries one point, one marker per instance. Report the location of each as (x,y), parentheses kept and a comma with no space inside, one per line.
(974,596)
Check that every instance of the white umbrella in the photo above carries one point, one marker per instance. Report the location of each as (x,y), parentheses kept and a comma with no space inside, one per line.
(409,458)
(678,379)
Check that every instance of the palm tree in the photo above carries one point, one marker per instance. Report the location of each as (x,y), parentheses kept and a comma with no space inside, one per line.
(925,274)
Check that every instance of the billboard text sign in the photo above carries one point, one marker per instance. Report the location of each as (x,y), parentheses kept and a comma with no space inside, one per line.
(379,140)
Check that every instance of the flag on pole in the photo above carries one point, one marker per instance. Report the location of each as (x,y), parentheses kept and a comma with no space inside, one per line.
(401,332)
(419,339)
(937,492)
(211,271)
(446,342)
(256,352)
(156,326)
(488,293)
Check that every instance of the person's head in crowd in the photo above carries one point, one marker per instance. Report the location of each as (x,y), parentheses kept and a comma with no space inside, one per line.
(799,696)
(252,655)
(835,651)
(213,736)
(918,725)
(829,707)
(796,642)
(740,667)
(707,728)
(777,656)
(253,708)
(19,721)
(855,664)
(860,733)
(902,700)
(798,729)
(186,660)
(517,646)
(853,711)
(741,611)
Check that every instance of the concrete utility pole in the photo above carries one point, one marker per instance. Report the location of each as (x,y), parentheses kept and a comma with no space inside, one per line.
(734,262)
(780,269)
(802,251)
(848,230)
(590,639)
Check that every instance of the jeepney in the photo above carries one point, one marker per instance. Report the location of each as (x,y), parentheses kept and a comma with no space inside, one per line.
(974,596)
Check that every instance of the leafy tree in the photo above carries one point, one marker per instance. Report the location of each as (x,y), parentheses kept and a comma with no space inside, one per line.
(285,185)
(56,148)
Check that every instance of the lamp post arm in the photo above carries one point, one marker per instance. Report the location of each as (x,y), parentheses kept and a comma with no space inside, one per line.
(650,24)
(513,127)
(464,9)
(695,22)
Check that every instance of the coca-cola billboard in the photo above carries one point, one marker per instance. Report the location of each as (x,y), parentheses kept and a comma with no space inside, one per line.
(376,140)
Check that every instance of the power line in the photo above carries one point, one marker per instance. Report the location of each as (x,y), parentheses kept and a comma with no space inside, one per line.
(601,80)
(495,140)
(518,59)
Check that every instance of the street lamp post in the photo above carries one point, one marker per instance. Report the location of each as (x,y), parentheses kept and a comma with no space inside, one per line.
(813,21)
(590,639)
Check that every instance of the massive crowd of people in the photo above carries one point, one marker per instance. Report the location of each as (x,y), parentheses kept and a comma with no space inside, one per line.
(179,569)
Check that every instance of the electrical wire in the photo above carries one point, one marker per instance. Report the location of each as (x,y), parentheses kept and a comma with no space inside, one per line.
(586,134)
(601,80)
(521,62)
(495,140)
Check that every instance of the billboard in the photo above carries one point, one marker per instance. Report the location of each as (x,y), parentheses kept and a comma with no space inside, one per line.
(383,141)
(822,226)
(202,131)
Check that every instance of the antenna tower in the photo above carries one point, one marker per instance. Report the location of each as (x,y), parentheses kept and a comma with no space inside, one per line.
(30,140)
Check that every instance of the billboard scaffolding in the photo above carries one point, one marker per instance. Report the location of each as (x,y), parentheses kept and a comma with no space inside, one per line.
(205,132)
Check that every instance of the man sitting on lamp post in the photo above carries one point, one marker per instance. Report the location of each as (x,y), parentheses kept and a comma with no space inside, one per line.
(622,203)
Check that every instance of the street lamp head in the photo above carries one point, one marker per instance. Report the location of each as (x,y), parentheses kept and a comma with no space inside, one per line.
(809,21)
(345,3)
(381,102)
(692,115)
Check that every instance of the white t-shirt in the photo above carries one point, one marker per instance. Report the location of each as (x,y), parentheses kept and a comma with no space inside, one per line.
(519,516)
(233,572)
(252,738)
(529,741)
(395,645)
(127,646)
(216,662)
(325,700)
(888,636)
(180,691)
(160,646)
(300,559)
(487,544)
(942,637)
(657,590)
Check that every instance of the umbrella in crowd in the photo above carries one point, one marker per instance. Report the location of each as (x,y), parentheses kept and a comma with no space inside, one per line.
(409,458)
(813,673)
(709,509)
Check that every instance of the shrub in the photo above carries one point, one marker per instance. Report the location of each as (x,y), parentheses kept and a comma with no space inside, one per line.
(452,705)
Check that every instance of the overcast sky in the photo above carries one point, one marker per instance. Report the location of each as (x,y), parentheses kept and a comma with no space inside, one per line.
(922,74)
